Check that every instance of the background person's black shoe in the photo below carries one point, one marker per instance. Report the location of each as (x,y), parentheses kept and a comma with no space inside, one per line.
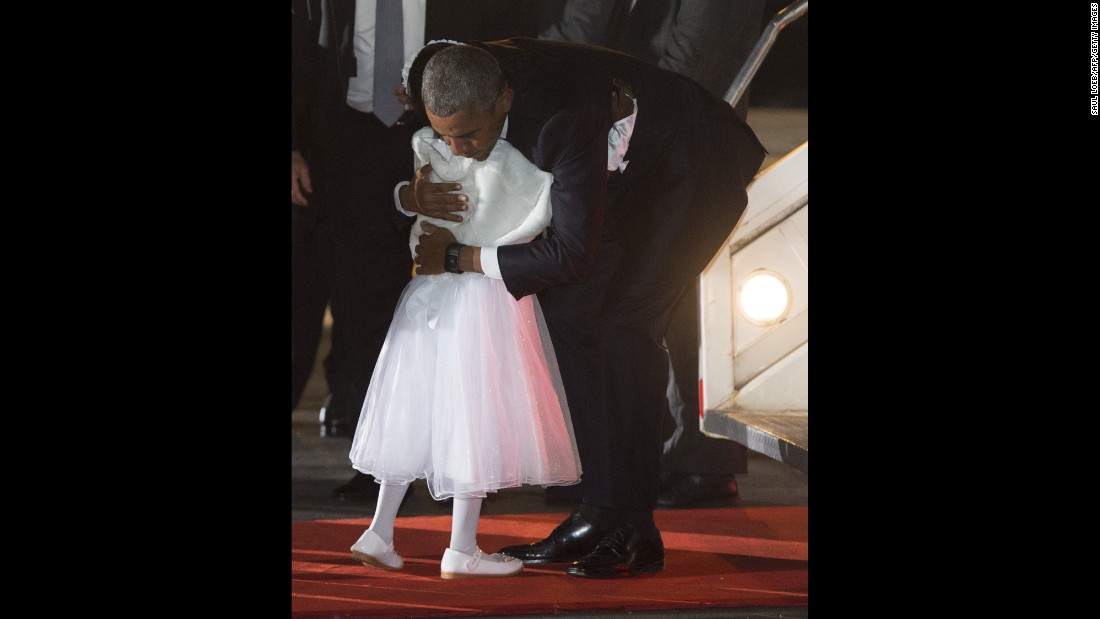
(695,488)
(624,552)
(362,487)
(337,428)
(333,426)
(572,539)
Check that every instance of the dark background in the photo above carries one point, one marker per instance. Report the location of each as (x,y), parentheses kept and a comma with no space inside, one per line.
(783,78)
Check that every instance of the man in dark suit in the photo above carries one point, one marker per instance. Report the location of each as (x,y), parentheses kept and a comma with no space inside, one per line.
(708,41)
(349,244)
(621,248)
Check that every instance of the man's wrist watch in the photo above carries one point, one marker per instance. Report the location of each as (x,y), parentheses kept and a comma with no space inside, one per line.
(450,259)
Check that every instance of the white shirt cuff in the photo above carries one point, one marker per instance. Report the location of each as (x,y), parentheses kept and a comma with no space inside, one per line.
(618,140)
(489,264)
(397,199)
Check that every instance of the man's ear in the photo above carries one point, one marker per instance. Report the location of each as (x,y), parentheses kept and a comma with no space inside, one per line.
(504,100)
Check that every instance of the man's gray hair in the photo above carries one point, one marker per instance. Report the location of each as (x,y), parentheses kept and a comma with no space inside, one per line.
(461,76)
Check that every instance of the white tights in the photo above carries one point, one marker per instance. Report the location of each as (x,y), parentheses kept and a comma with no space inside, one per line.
(464,517)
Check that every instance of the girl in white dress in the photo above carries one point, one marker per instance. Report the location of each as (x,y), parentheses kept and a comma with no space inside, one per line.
(466,392)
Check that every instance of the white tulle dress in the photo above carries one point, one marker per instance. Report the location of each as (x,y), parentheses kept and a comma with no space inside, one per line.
(466,393)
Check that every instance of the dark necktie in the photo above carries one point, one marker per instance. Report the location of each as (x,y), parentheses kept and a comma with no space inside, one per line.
(389,57)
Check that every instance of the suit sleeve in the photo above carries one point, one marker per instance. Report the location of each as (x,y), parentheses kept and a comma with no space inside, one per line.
(579,21)
(302,49)
(710,40)
(572,147)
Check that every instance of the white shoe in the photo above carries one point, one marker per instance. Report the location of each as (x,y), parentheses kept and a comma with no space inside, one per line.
(371,550)
(457,564)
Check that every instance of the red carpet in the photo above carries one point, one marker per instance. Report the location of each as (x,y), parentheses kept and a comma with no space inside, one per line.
(714,558)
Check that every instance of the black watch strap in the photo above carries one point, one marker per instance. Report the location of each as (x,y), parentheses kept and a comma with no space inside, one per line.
(450,259)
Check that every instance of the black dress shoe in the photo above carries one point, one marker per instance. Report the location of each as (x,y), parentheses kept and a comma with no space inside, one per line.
(333,426)
(572,539)
(624,552)
(338,428)
(362,487)
(694,488)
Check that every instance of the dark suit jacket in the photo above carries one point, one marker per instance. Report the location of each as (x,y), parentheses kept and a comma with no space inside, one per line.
(560,119)
(706,40)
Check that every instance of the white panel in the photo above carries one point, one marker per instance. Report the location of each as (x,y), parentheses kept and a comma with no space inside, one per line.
(777,197)
(782,185)
(799,224)
(781,250)
(767,351)
(716,340)
(782,387)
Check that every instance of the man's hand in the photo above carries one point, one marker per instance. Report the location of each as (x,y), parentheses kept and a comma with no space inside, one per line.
(402,96)
(622,100)
(299,179)
(432,199)
(430,249)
